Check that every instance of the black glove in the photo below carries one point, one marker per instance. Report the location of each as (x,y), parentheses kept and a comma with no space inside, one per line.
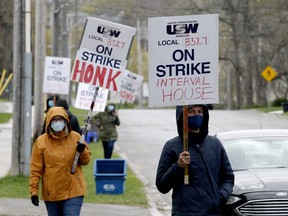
(80,147)
(35,200)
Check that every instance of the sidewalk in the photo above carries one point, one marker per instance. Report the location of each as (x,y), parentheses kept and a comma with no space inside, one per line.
(21,207)
(5,140)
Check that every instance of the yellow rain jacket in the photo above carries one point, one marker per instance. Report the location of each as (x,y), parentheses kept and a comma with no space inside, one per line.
(52,159)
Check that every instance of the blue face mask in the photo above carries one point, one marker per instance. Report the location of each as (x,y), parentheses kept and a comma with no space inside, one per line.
(58,125)
(50,103)
(195,121)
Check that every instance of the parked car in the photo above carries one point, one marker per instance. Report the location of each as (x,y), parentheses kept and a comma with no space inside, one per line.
(259,159)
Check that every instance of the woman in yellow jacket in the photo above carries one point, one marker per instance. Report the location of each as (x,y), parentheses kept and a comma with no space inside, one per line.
(51,161)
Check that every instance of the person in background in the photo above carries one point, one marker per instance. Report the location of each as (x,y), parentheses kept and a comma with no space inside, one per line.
(50,102)
(51,162)
(72,118)
(106,122)
(211,178)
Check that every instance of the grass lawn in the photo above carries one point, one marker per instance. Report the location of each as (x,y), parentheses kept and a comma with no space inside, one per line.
(268,109)
(5,117)
(134,195)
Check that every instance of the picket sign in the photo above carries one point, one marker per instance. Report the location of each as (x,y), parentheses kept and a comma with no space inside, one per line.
(183,60)
(85,94)
(101,60)
(131,83)
(183,64)
(102,56)
(56,75)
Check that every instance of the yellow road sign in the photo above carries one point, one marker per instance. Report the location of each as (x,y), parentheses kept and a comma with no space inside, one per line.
(269,73)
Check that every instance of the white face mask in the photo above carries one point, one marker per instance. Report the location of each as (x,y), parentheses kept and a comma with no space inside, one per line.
(58,125)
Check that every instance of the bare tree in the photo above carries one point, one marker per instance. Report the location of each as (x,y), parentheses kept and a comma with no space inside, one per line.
(6,31)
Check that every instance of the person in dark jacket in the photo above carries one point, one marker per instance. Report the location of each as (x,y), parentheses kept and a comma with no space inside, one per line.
(72,118)
(50,102)
(107,121)
(211,178)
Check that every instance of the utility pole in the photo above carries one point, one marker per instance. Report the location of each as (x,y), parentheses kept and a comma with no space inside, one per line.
(17,63)
(64,34)
(55,19)
(139,61)
(27,94)
(229,89)
(40,50)
(75,41)
(75,22)
(64,43)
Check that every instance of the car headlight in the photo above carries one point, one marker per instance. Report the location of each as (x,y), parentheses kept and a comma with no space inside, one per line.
(233,199)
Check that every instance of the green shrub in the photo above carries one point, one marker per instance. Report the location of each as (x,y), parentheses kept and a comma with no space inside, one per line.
(278,102)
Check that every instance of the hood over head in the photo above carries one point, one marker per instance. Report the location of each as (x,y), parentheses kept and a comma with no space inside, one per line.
(110,108)
(62,103)
(49,100)
(57,111)
(193,137)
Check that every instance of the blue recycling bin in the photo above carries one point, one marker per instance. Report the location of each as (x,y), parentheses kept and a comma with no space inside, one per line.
(91,136)
(110,176)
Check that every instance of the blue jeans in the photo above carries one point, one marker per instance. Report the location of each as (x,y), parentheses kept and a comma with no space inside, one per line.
(70,207)
(108,148)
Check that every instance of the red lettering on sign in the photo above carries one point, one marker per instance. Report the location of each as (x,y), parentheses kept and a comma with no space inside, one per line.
(76,70)
(88,73)
(100,75)
(127,96)
(95,74)
(111,79)
(188,93)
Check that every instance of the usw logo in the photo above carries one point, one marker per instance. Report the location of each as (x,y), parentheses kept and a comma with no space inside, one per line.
(182,28)
(106,31)
(57,62)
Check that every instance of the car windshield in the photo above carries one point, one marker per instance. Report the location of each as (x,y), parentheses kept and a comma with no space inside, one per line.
(253,153)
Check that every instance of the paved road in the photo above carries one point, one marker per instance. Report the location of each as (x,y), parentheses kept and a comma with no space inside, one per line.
(143,133)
